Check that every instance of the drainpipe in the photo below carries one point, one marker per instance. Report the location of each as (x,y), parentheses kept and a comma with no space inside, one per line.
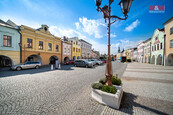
(61,51)
(150,52)
(164,55)
(19,30)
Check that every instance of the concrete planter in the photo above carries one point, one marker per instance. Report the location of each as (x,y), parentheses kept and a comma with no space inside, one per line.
(112,100)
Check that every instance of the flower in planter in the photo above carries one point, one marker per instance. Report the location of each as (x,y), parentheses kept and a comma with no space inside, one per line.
(116,80)
(109,89)
(97,85)
(102,81)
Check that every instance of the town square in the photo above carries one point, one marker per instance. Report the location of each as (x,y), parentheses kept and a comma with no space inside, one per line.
(97,57)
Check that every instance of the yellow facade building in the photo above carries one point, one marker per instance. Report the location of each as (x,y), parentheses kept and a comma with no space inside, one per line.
(128,52)
(118,56)
(76,48)
(40,45)
(168,58)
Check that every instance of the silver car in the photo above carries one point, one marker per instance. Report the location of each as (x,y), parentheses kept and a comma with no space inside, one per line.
(27,65)
(82,62)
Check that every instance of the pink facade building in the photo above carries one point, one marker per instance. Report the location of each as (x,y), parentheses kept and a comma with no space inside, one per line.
(66,50)
(140,48)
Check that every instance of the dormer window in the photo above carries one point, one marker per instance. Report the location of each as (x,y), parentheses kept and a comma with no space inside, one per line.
(45,28)
(156,38)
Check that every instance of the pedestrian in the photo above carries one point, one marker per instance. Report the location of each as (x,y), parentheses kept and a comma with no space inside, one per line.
(57,64)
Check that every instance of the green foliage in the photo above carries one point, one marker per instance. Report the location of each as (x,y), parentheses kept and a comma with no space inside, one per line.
(109,89)
(97,85)
(116,80)
(128,60)
(102,81)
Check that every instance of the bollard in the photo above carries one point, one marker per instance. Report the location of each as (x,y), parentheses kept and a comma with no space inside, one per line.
(51,66)
(59,66)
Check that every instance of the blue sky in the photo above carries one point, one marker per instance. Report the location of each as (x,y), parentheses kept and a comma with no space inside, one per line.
(80,18)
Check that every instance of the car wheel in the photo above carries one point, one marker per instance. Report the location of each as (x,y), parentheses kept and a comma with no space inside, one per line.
(36,67)
(86,66)
(18,68)
(75,65)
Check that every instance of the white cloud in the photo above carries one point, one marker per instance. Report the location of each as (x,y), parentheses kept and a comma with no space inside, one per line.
(113,35)
(20,21)
(132,26)
(92,27)
(77,25)
(126,44)
(103,48)
(60,32)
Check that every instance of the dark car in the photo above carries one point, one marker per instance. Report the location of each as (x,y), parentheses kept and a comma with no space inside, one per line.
(103,60)
(27,65)
(83,63)
(69,62)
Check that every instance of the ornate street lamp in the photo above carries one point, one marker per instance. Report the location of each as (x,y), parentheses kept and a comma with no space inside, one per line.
(125,6)
(106,10)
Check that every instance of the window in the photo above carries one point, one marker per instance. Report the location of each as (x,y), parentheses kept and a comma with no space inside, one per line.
(157,46)
(160,45)
(171,30)
(68,50)
(156,38)
(7,41)
(76,49)
(57,48)
(171,43)
(40,45)
(73,49)
(49,46)
(64,50)
(29,43)
(154,47)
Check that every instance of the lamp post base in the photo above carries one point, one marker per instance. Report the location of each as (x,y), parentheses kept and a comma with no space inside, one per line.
(108,71)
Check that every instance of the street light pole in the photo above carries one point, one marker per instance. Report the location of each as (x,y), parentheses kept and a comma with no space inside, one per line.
(125,6)
(108,73)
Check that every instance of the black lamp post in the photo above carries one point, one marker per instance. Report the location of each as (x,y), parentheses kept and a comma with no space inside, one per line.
(106,10)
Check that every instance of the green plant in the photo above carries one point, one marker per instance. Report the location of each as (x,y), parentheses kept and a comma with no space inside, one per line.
(109,89)
(102,81)
(116,80)
(97,85)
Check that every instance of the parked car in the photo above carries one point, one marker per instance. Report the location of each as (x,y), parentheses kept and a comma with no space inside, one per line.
(98,62)
(93,61)
(103,60)
(69,62)
(27,65)
(83,63)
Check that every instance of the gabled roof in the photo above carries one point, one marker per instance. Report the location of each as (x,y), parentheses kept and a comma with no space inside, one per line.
(168,21)
(161,29)
(2,23)
(147,40)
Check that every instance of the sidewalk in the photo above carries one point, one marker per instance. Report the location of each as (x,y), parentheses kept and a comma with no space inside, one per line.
(148,89)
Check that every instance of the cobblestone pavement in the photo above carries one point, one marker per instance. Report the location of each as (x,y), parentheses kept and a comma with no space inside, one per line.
(59,92)
(148,89)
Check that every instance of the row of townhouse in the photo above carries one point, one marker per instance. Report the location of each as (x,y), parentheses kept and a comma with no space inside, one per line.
(156,50)
(19,44)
